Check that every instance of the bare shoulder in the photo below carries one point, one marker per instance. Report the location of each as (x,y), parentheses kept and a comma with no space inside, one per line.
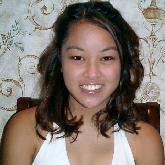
(21,121)
(19,138)
(149,135)
(148,146)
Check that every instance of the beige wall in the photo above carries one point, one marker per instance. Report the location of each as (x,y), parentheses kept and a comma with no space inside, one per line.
(25,30)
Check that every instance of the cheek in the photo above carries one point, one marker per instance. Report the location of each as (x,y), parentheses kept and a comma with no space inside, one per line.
(113,73)
(118,72)
(67,76)
(117,77)
(70,74)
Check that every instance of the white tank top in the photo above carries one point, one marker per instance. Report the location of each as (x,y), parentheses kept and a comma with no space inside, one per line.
(54,152)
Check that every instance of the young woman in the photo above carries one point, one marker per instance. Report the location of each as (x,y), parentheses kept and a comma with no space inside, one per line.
(91,71)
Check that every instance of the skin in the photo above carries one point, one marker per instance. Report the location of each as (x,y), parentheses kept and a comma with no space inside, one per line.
(92,59)
(83,54)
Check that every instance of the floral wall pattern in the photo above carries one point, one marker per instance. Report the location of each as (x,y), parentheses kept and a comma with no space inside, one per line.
(25,30)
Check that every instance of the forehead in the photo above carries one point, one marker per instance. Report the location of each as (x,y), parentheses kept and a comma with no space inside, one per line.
(85,31)
(87,25)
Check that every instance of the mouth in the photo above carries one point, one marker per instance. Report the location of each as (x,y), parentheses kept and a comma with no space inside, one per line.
(91,87)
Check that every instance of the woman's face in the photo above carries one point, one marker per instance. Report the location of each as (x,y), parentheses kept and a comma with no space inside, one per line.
(90,65)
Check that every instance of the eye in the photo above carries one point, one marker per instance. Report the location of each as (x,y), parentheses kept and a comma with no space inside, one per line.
(107,58)
(77,58)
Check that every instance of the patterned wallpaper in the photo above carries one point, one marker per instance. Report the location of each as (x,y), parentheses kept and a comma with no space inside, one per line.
(25,30)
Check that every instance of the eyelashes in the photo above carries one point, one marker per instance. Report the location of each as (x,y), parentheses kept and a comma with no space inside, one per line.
(76,58)
(80,58)
(108,58)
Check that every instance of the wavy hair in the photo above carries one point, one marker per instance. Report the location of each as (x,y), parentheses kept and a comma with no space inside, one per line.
(54,106)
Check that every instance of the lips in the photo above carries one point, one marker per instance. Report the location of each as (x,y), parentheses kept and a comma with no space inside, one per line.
(91,87)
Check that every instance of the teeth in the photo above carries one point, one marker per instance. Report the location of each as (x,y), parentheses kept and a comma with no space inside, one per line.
(90,87)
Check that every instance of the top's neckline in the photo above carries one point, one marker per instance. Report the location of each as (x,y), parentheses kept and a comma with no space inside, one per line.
(114,144)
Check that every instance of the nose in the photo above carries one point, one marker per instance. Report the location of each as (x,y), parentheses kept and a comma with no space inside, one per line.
(92,70)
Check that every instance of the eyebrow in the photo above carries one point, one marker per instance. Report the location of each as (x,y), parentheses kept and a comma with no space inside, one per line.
(103,50)
(74,47)
(109,48)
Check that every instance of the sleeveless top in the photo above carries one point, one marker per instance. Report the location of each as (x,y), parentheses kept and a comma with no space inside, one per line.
(54,152)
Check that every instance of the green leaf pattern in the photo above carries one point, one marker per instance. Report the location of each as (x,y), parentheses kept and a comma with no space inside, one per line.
(9,40)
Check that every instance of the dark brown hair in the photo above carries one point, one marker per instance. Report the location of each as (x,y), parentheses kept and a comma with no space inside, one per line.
(54,106)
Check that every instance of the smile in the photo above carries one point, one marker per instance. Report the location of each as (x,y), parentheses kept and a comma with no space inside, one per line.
(91,87)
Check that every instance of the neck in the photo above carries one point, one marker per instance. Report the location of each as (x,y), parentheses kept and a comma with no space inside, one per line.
(87,113)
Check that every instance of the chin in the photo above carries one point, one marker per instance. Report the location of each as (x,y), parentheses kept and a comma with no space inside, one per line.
(94,106)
